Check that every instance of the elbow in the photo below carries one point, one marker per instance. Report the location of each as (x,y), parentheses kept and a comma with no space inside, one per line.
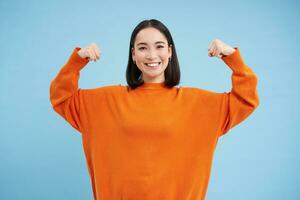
(256,96)
(255,101)
(253,94)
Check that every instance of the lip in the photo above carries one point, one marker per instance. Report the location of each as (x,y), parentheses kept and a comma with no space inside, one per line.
(153,68)
(153,63)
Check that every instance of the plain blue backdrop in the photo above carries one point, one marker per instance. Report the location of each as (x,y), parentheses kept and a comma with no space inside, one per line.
(41,155)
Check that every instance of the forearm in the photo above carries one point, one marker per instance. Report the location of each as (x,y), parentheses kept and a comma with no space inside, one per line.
(244,80)
(66,81)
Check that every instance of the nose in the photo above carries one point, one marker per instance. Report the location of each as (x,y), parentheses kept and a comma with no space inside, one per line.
(151,54)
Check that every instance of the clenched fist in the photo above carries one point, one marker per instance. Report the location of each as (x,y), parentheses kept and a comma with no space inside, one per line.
(219,49)
(91,52)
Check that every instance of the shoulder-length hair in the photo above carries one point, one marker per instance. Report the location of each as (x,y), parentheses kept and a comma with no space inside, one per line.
(172,72)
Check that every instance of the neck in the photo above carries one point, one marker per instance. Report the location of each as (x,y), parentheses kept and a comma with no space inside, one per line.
(158,79)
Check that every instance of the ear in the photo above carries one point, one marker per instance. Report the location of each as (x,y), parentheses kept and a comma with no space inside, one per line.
(133,53)
(170,51)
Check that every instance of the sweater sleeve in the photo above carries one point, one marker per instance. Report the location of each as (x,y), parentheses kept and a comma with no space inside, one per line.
(65,96)
(243,99)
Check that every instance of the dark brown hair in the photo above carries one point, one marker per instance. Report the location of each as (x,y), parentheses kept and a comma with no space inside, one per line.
(172,72)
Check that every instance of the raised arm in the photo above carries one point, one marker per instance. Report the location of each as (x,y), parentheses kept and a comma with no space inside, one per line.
(243,98)
(65,96)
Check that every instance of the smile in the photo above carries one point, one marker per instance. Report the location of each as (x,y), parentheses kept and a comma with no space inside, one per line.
(153,64)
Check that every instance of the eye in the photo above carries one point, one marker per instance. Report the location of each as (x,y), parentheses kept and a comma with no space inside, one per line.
(142,48)
(160,46)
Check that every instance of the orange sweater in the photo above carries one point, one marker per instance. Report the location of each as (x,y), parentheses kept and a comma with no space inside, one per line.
(154,142)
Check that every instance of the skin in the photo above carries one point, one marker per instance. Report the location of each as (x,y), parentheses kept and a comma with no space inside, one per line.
(219,49)
(154,48)
(90,52)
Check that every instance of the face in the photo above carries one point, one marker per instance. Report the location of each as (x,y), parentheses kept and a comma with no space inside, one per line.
(151,54)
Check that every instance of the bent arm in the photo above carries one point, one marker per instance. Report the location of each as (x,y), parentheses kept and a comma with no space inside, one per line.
(243,98)
(65,96)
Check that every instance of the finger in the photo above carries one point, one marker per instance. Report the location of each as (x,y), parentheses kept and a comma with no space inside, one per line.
(97,56)
(94,54)
(86,52)
(91,54)
(218,53)
(210,51)
(215,49)
(97,53)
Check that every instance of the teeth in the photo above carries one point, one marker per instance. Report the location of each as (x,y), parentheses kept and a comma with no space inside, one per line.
(152,64)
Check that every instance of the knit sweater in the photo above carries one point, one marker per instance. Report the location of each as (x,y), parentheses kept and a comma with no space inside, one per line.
(152,142)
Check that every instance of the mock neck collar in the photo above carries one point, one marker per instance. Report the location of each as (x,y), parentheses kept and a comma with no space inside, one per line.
(148,85)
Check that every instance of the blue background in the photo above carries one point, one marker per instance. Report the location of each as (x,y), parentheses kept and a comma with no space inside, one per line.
(41,156)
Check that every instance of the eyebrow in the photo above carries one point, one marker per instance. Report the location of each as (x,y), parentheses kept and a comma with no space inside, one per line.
(141,43)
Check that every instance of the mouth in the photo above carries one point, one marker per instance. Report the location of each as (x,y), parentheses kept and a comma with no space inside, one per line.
(153,65)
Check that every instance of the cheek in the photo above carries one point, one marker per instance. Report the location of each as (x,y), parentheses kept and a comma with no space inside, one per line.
(139,56)
(139,60)
(165,55)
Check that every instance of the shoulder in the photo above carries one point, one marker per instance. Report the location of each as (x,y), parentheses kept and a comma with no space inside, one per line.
(103,90)
(202,93)
(196,90)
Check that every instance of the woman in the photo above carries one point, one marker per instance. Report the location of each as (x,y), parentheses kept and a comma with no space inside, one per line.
(150,139)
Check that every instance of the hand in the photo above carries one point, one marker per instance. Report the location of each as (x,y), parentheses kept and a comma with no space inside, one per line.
(91,52)
(219,49)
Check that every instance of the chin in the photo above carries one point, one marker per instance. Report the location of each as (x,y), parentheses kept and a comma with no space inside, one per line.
(154,74)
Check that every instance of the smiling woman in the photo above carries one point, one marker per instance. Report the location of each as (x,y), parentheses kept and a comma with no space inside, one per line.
(152,140)
(152,56)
